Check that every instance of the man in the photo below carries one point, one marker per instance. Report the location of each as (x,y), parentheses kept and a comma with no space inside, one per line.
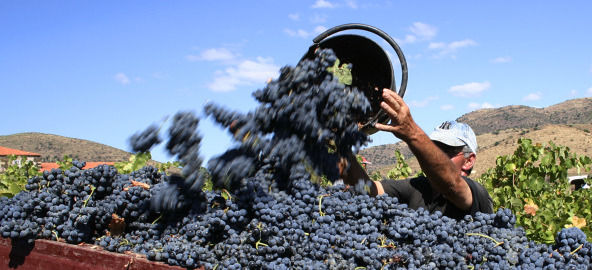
(446,157)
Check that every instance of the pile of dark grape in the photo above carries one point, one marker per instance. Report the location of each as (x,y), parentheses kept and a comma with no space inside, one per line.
(268,210)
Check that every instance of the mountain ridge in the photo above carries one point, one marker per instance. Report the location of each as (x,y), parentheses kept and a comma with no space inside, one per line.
(53,147)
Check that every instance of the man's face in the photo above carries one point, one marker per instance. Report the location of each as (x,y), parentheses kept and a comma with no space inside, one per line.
(455,153)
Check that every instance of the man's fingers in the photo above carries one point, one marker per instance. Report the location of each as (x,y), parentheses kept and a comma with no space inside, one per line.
(383,127)
(392,99)
(388,109)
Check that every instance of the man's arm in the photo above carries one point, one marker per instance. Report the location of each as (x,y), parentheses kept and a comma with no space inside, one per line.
(352,173)
(443,175)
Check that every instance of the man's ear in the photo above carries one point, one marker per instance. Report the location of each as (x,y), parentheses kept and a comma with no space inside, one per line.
(469,162)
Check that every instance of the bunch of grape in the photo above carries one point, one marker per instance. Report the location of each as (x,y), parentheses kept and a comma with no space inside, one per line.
(306,120)
(76,204)
(180,191)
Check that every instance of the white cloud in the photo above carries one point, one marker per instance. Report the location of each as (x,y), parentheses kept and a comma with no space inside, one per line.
(294,17)
(589,92)
(469,89)
(533,96)
(297,33)
(450,48)
(423,30)
(245,73)
(503,59)
(422,103)
(408,40)
(323,4)
(420,32)
(213,54)
(437,45)
(446,107)
(484,105)
(121,78)
(318,18)
(333,4)
(320,29)
(461,44)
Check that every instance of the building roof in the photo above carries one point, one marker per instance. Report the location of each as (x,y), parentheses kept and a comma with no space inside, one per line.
(365,161)
(89,165)
(5,151)
(48,166)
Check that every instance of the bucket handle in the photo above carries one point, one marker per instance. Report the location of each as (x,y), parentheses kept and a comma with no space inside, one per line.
(381,34)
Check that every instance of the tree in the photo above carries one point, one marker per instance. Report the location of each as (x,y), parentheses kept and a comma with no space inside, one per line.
(15,177)
(533,184)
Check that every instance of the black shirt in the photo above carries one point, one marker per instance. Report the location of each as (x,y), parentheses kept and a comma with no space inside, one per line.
(417,192)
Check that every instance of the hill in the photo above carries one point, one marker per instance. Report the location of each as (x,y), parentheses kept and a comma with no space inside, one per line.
(575,111)
(498,130)
(54,147)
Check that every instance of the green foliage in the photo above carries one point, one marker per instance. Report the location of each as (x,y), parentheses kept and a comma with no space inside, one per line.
(208,183)
(164,167)
(533,184)
(134,163)
(66,164)
(325,182)
(419,174)
(376,176)
(140,160)
(342,72)
(15,176)
(401,169)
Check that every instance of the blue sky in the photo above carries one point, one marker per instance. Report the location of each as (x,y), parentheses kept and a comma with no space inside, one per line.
(102,70)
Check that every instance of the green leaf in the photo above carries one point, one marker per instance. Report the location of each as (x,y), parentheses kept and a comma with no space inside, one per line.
(511,167)
(516,202)
(547,159)
(343,72)
(15,188)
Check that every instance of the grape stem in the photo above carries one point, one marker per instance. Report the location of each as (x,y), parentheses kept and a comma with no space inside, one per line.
(320,204)
(124,242)
(497,243)
(383,243)
(92,190)
(576,250)
(260,243)
(227,194)
(157,219)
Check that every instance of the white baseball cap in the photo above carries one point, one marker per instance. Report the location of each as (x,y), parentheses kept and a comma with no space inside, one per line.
(453,133)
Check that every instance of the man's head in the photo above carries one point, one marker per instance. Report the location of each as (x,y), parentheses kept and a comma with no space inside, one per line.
(455,138)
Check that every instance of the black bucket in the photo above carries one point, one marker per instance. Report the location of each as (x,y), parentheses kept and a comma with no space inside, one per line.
(372,69)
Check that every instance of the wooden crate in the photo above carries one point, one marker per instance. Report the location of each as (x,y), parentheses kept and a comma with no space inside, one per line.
(50,255)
